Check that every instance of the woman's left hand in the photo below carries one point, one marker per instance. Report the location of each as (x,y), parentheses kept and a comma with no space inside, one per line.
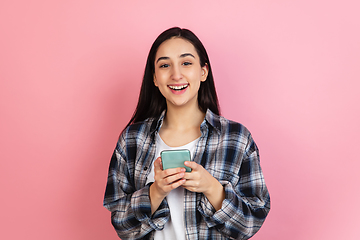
(200,180)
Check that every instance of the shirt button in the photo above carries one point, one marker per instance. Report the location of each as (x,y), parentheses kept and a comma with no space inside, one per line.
(145,168)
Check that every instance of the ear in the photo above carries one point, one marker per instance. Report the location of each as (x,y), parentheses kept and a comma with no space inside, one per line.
(155,82)
(204,73)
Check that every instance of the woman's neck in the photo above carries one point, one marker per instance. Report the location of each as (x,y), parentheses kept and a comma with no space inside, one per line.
(181,118)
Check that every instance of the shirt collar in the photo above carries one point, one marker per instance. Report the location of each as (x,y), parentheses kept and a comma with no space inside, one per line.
(156,124)
(213,120)
(210,119)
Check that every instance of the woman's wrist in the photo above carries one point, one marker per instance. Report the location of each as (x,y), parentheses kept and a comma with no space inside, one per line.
(215,194)
(155,198)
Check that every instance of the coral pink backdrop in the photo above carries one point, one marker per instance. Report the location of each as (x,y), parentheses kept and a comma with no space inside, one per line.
(70,73)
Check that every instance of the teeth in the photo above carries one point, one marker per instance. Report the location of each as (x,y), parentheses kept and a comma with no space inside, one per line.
(178,87)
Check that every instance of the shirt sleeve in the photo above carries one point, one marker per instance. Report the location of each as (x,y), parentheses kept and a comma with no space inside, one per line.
(130,208)
(246,204)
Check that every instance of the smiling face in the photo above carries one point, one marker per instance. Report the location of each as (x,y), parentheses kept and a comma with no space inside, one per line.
(178,72)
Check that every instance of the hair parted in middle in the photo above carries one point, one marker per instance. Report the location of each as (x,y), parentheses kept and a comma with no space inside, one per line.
(151,102)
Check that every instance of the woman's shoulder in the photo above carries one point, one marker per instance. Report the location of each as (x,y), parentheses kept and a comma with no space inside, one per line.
(140,128)
(225,125)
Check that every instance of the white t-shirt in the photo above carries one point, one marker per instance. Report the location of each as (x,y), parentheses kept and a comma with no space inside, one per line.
(175,227)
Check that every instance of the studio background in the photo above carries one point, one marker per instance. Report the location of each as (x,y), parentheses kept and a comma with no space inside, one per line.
(70,74)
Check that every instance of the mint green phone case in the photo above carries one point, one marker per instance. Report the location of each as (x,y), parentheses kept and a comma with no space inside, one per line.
(175,159)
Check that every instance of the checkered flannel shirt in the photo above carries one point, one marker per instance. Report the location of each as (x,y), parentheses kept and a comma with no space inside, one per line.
(225,149)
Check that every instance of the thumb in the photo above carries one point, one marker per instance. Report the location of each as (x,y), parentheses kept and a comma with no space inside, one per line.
(191,164)
(157,163)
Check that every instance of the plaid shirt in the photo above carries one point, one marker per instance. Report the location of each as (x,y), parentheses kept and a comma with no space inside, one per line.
(225,149)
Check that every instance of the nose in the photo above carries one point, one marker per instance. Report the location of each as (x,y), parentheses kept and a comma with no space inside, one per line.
(176,73)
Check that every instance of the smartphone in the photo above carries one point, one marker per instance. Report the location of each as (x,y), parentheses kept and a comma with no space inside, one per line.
(175,159)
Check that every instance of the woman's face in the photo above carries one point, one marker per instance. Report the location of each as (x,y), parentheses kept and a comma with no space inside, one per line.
(178,72)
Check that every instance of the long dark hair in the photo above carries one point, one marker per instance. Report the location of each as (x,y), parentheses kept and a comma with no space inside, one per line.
(151,102)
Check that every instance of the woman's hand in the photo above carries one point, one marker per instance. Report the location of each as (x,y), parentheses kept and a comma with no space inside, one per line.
(200,180)
(165,181)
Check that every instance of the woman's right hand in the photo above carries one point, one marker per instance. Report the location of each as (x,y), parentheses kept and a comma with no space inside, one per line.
(165,181)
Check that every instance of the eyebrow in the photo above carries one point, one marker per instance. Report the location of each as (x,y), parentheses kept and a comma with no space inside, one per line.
(181,56)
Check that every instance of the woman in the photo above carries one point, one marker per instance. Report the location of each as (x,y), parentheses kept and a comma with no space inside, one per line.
(224,196)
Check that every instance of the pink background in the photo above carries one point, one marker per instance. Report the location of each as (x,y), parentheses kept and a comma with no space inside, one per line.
(70,73)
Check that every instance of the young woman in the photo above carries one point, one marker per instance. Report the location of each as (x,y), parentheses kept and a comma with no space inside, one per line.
(224,196)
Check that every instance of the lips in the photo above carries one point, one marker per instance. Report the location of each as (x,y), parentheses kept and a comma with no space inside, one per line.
(178,87)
